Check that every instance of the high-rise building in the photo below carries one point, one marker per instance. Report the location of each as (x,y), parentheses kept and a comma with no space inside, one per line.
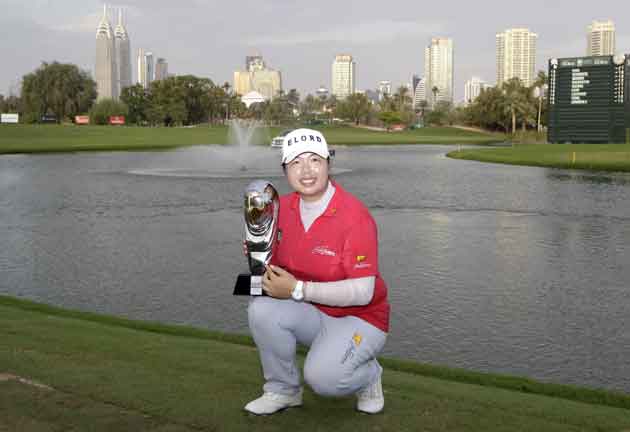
(123,54)
(106,70)
(343,76)
(419,88)
(438,70)
(384,89)
(145,68)
(161,69)
(148,60)
(254,62)
(258,77)
(600,38)
(516,55)
(142,68)
(472,89)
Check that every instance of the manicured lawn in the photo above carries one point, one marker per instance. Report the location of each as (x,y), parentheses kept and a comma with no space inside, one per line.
(54,138)
(108,374)
(607,157)
(429,135)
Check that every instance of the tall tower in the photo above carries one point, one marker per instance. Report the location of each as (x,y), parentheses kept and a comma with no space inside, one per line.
(600,38)
(145,67)
(142,69)
(123,51)
(516,55)
(419,88)
(106,71)
(258,77)
(438,70)
(148,61)
(343,76)
(472,89)
(161,69)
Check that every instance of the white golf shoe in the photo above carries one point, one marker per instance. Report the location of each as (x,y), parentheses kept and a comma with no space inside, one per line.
(370,400)
(270,403)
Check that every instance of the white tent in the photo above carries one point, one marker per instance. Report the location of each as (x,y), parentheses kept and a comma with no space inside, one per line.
(251,98)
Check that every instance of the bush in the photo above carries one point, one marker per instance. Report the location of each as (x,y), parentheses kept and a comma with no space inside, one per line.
(104,109)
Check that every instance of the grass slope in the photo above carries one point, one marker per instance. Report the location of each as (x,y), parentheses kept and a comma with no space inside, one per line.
(106,375)
(605,157)
(54,138)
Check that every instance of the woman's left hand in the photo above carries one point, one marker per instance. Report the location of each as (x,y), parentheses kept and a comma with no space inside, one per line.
(278,283)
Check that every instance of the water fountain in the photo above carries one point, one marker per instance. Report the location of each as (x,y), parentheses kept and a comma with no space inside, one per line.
(247,155)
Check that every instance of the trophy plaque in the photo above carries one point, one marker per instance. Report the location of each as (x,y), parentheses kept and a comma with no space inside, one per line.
(261,209)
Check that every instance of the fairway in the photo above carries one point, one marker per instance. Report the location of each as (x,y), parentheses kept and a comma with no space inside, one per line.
(64,370)
(604,157)
(70,138)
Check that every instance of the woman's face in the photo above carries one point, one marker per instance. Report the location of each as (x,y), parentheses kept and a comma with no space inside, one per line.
(308,175)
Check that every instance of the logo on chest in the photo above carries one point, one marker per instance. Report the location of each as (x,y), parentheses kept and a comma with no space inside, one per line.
(323,250)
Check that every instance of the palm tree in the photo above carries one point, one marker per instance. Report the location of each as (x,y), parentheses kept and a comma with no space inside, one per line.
(435,90)
(540,83)
(402,98)
(514,99)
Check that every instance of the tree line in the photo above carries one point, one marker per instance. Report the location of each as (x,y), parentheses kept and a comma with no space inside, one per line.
(62,91)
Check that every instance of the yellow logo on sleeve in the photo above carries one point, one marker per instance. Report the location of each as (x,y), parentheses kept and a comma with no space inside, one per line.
(361,258)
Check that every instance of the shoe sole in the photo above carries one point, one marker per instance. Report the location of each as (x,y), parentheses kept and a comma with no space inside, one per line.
(275,412)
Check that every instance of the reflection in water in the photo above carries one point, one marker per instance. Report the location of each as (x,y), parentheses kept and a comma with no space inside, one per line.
(490,267)
(604,178)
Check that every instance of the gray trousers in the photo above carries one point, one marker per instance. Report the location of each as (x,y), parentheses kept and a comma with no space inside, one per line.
(341,359)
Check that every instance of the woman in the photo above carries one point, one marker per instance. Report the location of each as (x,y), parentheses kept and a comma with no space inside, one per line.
(324,289)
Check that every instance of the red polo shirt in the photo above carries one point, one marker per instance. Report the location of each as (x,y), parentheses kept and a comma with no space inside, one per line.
(340,244)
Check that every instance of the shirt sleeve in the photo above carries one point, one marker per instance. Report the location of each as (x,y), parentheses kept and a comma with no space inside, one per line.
(347,292)
(360,249)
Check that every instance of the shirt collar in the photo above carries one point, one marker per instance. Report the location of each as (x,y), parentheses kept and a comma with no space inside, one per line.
(333,205)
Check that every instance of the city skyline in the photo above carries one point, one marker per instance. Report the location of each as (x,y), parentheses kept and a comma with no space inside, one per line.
(300,41)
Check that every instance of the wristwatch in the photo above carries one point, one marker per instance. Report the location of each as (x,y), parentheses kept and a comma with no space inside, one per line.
(298,291)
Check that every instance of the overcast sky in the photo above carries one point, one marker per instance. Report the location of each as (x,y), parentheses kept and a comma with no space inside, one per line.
(386,39)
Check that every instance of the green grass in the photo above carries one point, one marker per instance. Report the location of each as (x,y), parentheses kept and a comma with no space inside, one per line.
(604,157)
(429,135)
(64,138)
(54,138)
(109,374)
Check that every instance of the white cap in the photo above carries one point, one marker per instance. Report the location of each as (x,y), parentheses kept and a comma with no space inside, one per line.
(301,141)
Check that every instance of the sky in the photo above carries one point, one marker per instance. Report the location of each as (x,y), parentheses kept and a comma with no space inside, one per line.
(300,39)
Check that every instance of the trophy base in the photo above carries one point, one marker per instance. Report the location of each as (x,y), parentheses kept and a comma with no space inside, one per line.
(247,284)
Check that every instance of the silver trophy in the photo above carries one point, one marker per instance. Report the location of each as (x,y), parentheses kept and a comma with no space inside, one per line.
(261,209)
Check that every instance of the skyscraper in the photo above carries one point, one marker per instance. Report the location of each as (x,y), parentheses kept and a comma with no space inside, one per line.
(145,68)
(161,69)
(600,38)
(123,52)
(472,89)
(419,88)
(254,62)
(142,68)
(384,89)
(258,77)
(438,70)
(343,76)
(516,55)
(106,70)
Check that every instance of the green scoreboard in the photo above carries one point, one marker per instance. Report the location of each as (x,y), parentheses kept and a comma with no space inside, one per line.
(589,100)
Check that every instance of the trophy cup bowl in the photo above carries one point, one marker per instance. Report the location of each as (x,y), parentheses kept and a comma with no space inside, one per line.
(261,206)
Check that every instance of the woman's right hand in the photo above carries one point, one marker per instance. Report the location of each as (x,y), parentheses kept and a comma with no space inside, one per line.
(244,248)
